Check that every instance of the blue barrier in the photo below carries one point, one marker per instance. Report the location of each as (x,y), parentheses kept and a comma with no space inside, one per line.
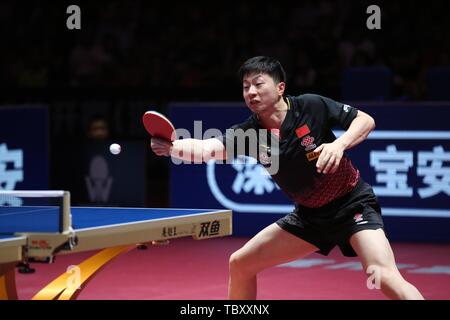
(24,148)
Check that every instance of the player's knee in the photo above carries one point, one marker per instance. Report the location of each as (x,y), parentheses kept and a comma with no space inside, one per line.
(390,276)
(236,261)
(382,276)
(239,263)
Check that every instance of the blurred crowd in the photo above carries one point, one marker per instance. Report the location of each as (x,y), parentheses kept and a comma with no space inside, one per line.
(200,45)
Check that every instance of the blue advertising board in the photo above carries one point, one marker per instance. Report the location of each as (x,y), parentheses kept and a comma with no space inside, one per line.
(24,148)
(406,160)
(96,177)
(112,180)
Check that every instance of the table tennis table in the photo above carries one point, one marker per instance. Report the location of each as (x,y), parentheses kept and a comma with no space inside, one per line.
(115,230)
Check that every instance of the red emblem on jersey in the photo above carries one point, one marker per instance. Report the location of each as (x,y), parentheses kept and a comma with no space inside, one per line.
(302,131)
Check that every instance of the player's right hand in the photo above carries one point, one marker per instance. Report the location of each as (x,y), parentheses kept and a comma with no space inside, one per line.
(161,147)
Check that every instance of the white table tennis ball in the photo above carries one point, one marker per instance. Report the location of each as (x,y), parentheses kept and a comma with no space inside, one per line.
(115,148)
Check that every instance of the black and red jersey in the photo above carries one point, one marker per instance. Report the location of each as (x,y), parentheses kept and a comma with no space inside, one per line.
(308,124)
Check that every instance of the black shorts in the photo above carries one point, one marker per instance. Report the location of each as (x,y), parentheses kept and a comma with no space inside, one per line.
(334,223)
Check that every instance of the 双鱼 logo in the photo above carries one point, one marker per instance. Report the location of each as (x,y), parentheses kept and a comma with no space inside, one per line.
(209,229)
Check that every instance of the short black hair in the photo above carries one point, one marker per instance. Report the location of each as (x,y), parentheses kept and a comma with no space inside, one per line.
(263,64)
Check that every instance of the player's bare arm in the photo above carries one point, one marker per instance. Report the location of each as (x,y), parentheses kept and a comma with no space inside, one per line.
(331,153)
(190,149)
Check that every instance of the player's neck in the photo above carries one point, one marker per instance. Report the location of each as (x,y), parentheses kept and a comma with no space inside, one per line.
(274,117)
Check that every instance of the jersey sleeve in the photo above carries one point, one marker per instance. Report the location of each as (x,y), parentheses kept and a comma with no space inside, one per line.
(338,114)
(238,138)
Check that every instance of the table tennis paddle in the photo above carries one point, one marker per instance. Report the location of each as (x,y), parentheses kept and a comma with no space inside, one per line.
(157,125)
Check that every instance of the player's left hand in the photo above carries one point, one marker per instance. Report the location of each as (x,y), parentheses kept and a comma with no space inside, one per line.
(330,157)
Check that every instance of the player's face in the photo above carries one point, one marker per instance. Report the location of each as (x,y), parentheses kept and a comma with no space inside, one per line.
(260,92)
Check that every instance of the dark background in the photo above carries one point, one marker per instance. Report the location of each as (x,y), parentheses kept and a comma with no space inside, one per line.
(130,56)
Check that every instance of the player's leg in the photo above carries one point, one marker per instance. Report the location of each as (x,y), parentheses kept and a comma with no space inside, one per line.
(270,247)
(376,256)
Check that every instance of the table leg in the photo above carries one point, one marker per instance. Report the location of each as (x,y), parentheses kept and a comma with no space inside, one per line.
(8,289)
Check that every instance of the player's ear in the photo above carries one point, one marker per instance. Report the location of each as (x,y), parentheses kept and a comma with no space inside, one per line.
(281,87)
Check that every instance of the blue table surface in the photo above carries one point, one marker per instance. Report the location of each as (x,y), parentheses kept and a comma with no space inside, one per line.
(46,219)
(4,236)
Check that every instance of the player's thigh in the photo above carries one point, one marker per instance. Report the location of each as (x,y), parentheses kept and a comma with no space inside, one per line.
(373,248)
(273,246)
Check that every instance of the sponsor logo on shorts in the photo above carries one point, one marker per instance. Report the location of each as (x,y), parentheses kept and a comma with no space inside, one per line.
(358,217)
(169,232)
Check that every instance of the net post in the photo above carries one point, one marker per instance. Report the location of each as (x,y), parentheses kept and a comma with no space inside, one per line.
(66,217)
